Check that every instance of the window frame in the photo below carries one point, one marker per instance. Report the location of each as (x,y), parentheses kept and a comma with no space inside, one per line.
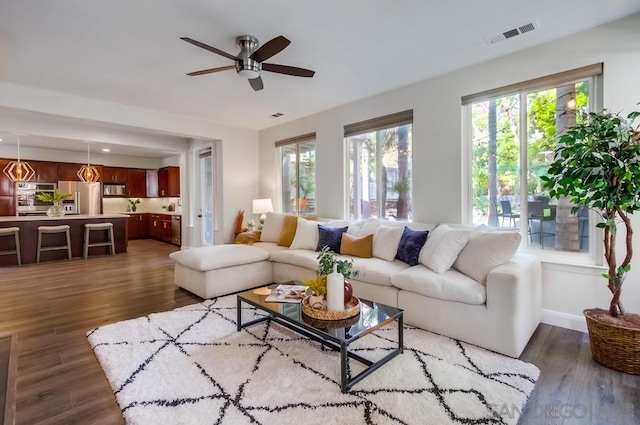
(592,74)
(375,125)
(297,141)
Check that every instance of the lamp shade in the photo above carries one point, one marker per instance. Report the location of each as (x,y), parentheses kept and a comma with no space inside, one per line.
(261,206)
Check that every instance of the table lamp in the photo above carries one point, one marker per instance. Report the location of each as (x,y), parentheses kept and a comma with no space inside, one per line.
(262,206)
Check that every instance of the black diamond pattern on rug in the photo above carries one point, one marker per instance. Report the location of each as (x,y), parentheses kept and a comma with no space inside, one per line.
(190,366)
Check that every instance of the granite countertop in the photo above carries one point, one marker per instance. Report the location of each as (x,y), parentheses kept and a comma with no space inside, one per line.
(44,217)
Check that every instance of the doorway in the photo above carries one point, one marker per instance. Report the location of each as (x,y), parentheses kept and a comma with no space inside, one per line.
(207,195)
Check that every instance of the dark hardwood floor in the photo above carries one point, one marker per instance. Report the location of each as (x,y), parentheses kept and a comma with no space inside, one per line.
(50,307)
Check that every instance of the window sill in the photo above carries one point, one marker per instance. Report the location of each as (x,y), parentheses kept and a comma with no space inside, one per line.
(581,263)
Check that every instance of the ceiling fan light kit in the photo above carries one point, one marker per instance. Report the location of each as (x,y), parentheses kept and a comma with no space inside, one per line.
(249,63)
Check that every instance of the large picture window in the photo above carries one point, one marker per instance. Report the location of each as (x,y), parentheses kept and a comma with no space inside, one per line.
(298,175)
(379,164)
(513,139)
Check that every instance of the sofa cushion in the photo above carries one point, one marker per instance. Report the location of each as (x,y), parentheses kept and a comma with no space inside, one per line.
(450,285)
(270,247)
(306,235)
(411,244)
(219,256)
(288,230)
(375,270)
(443,246)
(485,251)
(386,241)
(361,246)
(297,257)
(272,227)
(330,237)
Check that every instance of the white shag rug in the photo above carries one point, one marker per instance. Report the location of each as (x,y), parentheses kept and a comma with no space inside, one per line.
(191,366)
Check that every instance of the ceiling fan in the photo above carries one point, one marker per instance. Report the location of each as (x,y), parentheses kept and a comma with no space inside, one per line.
(250,61)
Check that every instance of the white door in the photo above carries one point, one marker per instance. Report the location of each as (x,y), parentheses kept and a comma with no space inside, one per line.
(207,195)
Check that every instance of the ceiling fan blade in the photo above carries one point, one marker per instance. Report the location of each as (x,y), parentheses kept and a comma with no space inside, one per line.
(288,70)
(211,71)
(270,48)
(209,48)
(256,83)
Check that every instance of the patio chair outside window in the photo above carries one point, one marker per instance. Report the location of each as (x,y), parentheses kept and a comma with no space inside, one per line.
(507,212)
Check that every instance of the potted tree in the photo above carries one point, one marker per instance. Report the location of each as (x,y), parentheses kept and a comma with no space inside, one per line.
(597,165)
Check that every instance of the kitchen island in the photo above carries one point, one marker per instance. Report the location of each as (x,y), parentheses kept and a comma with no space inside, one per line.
(29,236)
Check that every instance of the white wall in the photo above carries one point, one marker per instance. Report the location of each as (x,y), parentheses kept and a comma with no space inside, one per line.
(437,142)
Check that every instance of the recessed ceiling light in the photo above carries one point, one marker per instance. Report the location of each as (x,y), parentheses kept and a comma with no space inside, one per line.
(0,140)
(106,150)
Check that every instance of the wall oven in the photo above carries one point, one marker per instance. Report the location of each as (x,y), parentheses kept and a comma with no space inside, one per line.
(27,202)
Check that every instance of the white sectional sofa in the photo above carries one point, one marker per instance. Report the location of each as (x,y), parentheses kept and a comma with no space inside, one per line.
(469,284)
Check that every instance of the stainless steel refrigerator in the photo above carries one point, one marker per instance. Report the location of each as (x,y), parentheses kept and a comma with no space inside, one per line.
(87,196)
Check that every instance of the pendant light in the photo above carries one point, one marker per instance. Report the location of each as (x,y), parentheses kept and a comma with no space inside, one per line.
(88,173)
(17,170)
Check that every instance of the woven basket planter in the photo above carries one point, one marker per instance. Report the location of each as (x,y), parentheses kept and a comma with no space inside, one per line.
(615,347)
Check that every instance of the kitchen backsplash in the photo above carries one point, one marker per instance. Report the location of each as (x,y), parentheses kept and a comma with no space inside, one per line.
(146,205)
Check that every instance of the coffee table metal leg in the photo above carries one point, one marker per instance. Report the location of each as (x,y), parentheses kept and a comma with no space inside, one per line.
(239,314)
(401,333)
(343,366)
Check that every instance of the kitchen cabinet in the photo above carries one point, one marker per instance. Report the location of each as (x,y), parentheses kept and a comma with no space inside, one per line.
(169,182)
(6,184)
(68,172)
(160,227)
(152,183)
(46,172)
(114,175)
(138,226)
(7,205)
(136,183)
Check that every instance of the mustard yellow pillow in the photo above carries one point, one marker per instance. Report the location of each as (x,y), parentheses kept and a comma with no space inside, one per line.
(288,231)
(357,246)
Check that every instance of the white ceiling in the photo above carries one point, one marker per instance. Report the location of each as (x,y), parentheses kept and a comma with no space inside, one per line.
(130,52)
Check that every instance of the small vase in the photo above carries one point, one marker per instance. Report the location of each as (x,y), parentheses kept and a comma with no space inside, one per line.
(56,210)
(133,208)
(335,290)
(348,291)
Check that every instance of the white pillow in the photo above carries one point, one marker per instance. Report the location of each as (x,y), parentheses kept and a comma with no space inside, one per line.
(485,251)
(272,227)
(386,241)
(443,246)
(370,227)
(306,235)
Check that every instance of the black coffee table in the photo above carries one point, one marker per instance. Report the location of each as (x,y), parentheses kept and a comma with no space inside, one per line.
(336,335)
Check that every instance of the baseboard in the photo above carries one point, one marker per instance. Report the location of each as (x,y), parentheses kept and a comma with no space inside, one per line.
(10,401)
(564,320)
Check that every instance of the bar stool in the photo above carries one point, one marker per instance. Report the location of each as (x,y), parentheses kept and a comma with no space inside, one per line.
(98,226)
(42,230)
(15,232)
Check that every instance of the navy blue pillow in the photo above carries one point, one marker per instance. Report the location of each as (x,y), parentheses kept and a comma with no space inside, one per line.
(331,237)
(411,243)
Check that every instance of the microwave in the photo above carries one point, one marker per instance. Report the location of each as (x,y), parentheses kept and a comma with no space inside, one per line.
(110,189)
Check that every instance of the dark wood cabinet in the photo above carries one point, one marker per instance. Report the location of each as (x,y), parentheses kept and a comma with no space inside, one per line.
(68,171)
(46,172)
(160,227)
(136,183)
(169,182)
(7,185)
(114,175)
(7,205)
(138,226)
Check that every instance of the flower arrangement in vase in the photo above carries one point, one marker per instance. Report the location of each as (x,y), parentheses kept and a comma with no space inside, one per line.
(326,260)
(133,203)
(57,210)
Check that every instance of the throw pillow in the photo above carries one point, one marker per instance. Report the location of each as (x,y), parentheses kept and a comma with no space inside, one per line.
(485,251)
(288,230)
(357,246)
(386,241)
(443,246)
(306,235)
(370,227)
(330,236)
(410,245)
(272,227)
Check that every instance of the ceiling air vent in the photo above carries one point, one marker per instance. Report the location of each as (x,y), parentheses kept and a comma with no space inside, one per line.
(521,29)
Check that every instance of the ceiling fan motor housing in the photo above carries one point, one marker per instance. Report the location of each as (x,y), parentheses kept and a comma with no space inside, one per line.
(245,66)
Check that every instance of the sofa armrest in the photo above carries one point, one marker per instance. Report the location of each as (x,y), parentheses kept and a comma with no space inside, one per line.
(514,288)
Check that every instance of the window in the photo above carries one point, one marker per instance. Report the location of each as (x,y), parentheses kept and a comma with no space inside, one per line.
(298,175)
(514,133)
(379,165)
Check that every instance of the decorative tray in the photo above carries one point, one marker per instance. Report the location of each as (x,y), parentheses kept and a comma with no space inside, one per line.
(352,308)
